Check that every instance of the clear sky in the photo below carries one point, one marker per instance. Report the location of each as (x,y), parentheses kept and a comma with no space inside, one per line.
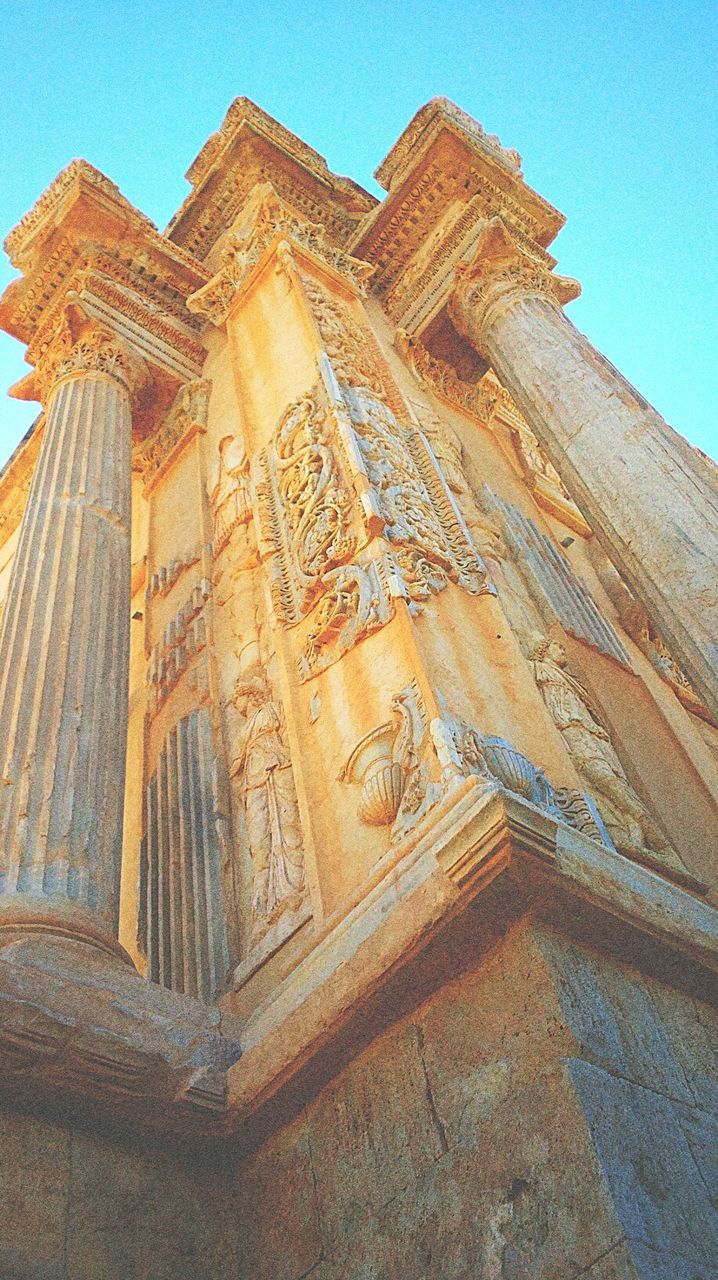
(614,107)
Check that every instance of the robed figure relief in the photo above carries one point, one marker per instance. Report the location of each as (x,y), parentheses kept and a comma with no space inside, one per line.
(262,763)
(630,826)
(228,492)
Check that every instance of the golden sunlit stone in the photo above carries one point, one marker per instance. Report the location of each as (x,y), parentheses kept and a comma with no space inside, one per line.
(358,742)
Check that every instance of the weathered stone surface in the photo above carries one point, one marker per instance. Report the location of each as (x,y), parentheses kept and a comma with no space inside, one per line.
(34,1191)
(651,1171)
(274,1197)
(476,1038)
(147,1213)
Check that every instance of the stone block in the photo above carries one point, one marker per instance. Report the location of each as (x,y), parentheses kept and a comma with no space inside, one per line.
(611,1011)
(651,1168)
(145,1214)
(34,1176)
(373,1131)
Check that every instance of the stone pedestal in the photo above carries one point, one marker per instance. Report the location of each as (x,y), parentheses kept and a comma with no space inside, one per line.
(650,499)
(64,651)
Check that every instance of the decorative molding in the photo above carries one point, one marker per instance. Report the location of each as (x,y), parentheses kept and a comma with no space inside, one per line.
(265,220)
(442,379)
(96,350)
(500,271)
(188,415)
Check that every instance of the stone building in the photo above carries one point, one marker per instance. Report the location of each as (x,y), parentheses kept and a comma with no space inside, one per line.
(358,742)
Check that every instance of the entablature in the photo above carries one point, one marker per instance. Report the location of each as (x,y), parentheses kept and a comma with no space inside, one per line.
(251,147)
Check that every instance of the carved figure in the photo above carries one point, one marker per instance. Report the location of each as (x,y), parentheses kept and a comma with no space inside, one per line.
(263,762)
(630,826)
(229,492)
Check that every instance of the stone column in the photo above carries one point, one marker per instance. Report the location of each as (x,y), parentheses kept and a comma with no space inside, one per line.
(64,653)
(651,500)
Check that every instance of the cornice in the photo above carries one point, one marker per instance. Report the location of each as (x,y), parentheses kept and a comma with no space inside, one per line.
(250,147)
(443,170)
(84,242)
(267,222)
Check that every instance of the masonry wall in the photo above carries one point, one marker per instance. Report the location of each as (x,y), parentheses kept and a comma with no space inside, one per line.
(550,1114)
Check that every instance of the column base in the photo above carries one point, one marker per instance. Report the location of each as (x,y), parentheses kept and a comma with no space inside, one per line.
(24,917)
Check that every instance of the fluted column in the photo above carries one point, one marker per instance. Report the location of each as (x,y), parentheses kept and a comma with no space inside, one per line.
(649,498)
(64,654)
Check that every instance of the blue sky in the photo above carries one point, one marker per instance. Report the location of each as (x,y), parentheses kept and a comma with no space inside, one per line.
(614,107)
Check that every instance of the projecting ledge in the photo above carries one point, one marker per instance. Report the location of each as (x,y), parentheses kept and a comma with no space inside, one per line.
(83,1035)
(488,861)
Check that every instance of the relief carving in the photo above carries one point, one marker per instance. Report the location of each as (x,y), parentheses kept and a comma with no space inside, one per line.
(355,603)
(589,745)
(229,493)
(432,544)
(305,507)
(405,767)
(262,764)
(353,351)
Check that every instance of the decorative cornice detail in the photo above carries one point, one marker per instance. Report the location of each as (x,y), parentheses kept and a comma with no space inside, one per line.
(266,220)
(93,349)
(393,168)
(444,381)
(501,271)
(188,414)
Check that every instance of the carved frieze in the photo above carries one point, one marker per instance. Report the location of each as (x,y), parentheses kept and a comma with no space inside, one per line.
(443,380)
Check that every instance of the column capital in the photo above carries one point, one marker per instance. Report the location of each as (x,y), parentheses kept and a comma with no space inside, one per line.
(500,272)
(80,345)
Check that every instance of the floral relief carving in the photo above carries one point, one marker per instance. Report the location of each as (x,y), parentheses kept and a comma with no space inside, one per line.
(432,545)
(354,604)
(305,506)
(353,351)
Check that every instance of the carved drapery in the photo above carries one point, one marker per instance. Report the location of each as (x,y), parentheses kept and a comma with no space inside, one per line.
(184,861)
(632,829)
(262,765)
